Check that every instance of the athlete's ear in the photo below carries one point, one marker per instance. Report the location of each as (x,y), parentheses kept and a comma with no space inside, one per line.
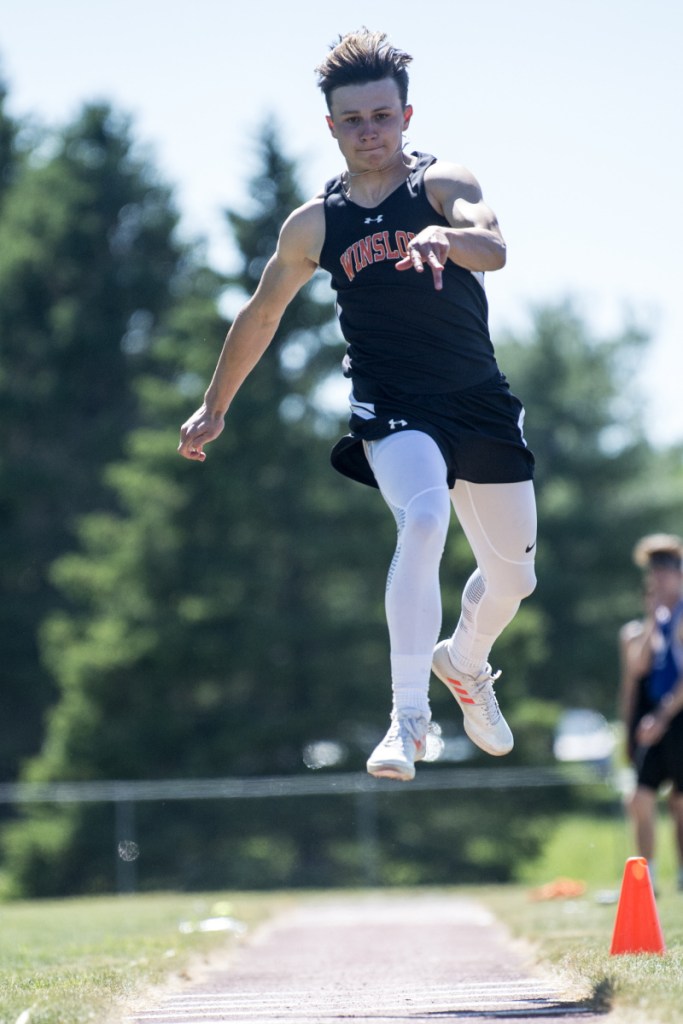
(330,125)
(407,114)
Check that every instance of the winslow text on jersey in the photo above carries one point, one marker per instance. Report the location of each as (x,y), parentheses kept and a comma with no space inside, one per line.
(373,249)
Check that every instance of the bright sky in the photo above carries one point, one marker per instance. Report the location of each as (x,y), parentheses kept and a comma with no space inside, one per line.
(567,111)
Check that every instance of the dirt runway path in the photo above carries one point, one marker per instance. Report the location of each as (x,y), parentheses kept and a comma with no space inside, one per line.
(376,959)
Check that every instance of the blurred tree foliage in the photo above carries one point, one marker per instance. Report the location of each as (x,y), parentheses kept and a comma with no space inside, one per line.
(10,153)
(221,593)
(87,264)
(600,486)
(213,620)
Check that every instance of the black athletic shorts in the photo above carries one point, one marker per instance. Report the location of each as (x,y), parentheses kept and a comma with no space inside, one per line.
(662,762)
(479,431)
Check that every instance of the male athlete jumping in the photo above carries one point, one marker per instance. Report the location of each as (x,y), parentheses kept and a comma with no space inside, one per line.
(407,240)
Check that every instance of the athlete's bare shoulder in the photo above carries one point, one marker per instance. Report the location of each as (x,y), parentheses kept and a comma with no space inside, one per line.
(303,233)
(455,193)
(443,178)
(631,631)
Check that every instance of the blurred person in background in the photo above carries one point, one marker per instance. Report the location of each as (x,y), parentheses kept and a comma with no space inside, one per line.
(651,692)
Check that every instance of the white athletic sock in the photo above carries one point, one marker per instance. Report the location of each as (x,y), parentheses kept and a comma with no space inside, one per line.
(467,665)
(410,683)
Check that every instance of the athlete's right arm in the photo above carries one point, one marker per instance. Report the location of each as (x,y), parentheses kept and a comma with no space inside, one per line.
(291,266)
(635,662)
(629,639)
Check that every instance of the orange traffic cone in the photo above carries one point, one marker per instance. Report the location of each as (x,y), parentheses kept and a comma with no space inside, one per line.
(637,928)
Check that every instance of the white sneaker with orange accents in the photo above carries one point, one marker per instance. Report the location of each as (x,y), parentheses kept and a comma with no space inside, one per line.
(483,719)
(403,745)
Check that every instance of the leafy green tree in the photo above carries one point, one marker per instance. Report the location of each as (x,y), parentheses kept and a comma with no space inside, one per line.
(87,263)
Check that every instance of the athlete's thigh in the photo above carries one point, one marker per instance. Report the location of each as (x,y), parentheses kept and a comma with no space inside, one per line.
(652,770)
(498,519)
(406,464)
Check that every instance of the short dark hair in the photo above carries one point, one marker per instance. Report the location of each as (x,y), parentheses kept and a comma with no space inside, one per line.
(360,57)
(659,551)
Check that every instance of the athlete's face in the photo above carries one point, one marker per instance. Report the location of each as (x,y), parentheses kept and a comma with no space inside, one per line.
(664,584)
(367,121)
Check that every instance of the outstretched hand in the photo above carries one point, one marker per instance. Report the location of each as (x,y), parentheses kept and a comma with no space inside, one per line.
(429,248)
(201,428)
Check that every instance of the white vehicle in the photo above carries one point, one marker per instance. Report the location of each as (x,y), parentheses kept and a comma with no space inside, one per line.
(584,735)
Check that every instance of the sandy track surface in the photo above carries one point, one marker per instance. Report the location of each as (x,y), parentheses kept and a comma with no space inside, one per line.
(376,959)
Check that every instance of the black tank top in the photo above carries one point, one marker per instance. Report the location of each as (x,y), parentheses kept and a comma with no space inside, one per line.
(400,331)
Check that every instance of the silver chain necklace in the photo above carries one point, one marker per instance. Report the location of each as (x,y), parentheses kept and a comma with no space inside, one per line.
(347,175)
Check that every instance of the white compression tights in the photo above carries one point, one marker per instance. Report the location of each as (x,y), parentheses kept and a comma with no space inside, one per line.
(499,521)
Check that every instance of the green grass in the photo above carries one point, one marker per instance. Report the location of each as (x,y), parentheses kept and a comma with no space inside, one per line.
(84,960)
(575,936)
(81,960)
(594,848)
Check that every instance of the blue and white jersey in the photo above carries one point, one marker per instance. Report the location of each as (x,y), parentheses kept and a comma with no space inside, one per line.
(667,664)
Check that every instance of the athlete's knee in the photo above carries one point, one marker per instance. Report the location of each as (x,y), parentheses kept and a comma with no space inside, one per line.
(511,581)
(426,519)
(642,803)
(527,580)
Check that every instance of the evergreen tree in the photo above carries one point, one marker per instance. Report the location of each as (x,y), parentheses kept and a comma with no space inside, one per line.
(9,155)
(234,576)
(87,262)
(208,626)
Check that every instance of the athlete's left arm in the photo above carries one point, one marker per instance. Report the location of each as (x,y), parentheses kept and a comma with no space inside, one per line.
(473,240)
